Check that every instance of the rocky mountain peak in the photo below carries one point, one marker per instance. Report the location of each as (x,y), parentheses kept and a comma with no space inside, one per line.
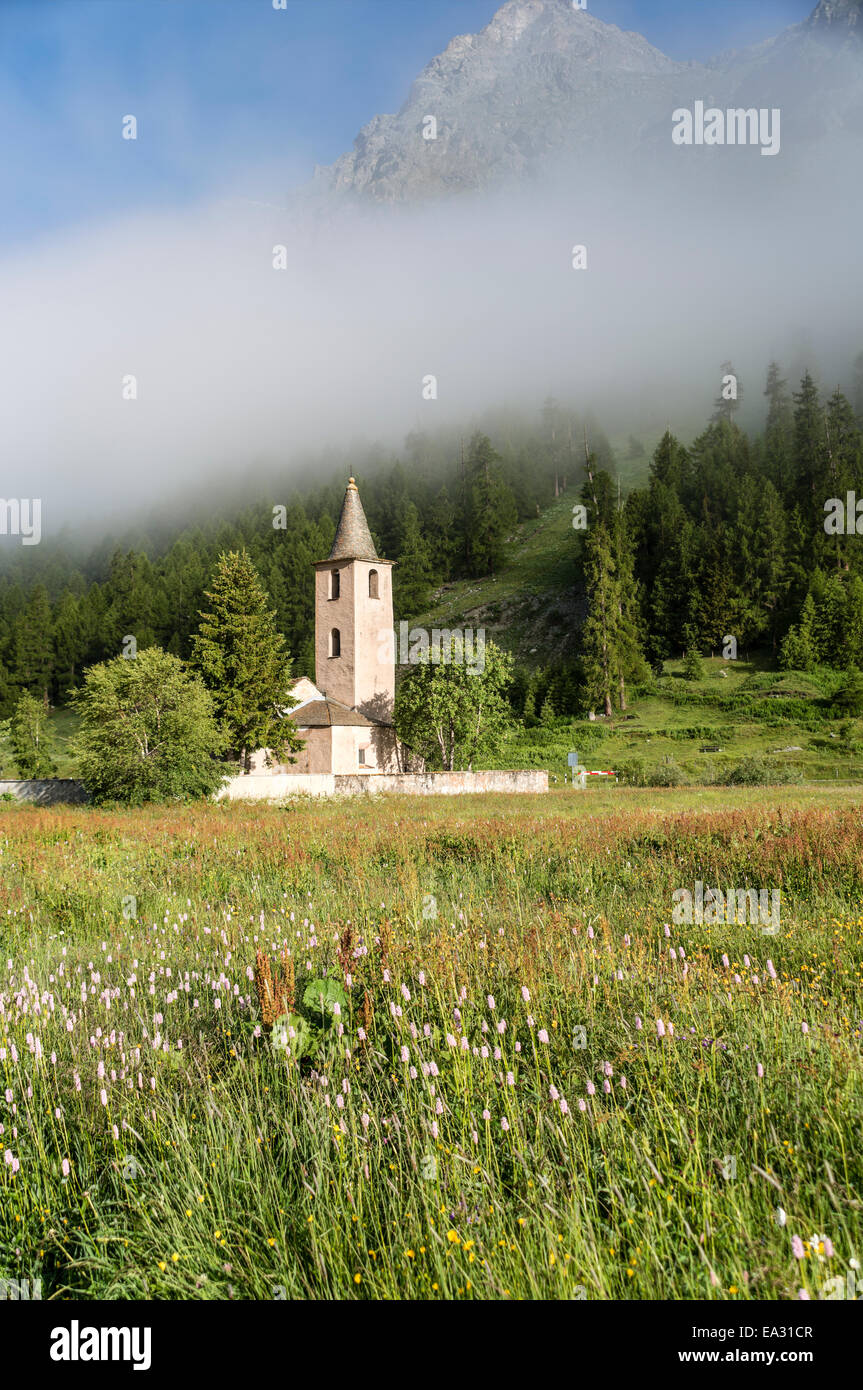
(838,15)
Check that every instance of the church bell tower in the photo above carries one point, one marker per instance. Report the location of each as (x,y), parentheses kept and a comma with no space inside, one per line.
(354,644)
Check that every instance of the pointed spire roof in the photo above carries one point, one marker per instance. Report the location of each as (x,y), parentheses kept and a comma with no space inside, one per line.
(353,538)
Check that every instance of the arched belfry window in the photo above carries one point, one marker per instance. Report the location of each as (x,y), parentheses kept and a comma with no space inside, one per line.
(335,583)
(335,642)
(373,584)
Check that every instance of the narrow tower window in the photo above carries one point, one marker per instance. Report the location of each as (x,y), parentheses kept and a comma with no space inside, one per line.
(335,642)
(373,584)
(335,583)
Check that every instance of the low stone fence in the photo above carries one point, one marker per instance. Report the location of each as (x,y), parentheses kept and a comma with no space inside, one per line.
(259,787)
(58,791)
(50,791)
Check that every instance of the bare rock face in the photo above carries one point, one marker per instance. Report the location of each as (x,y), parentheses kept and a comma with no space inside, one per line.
(540,77)
(546,86)
(841,16)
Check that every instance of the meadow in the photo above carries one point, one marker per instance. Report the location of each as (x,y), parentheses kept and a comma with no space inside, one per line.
(498,1069)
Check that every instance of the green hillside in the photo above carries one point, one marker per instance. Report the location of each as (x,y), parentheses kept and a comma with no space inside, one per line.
(698,731)
(534,605)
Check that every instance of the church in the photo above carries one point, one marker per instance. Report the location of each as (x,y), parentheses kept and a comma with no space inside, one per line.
(345,716)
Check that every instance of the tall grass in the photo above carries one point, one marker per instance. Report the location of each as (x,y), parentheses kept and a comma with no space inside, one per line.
(513,1124)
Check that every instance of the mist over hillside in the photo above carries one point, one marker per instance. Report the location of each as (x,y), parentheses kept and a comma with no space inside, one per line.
(551,238)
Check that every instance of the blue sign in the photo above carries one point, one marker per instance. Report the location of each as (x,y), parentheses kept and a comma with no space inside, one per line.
(572,759)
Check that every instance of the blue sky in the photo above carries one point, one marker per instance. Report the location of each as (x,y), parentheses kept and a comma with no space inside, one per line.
(226,91)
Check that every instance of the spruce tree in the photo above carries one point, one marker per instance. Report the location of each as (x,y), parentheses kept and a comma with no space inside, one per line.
(241,657)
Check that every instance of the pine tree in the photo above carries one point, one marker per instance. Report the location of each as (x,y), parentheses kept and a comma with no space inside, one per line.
(858,387)
(598,651)
(779,426)
(414,561)
(242,659)
(491,511)
(727,403)
(33,652)
(799,650)
(32,740)
(810,455)
(547,714)
(849,696)
(68,645)
(693,666)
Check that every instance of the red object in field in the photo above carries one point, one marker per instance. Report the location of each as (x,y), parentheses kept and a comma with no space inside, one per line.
(602,774)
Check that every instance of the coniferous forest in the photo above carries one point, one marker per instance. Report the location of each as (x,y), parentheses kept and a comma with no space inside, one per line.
(731,534)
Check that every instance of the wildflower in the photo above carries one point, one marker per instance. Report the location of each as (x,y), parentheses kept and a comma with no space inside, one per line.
(553,1093)
(486,1114)
(591,1089)
(759,1071)
(660,1028)
(582,1105)
(608,1069)
(797,1248)
(805,1027)
(771,970)
(564,1108)
(504,1124)
(452,1237)
(781,1218)
(726,962)
(543,1035)
(510,1079)
(358,1278)
(490,1002)
(65,1167)
(606,1086)
(103,1096)
(638,1023)
(525,994)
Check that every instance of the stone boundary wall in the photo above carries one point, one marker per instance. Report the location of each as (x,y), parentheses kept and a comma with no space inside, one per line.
(50,791)
(58,791)
(282,785)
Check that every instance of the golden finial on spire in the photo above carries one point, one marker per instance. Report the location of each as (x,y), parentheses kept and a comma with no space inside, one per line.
(352,482)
